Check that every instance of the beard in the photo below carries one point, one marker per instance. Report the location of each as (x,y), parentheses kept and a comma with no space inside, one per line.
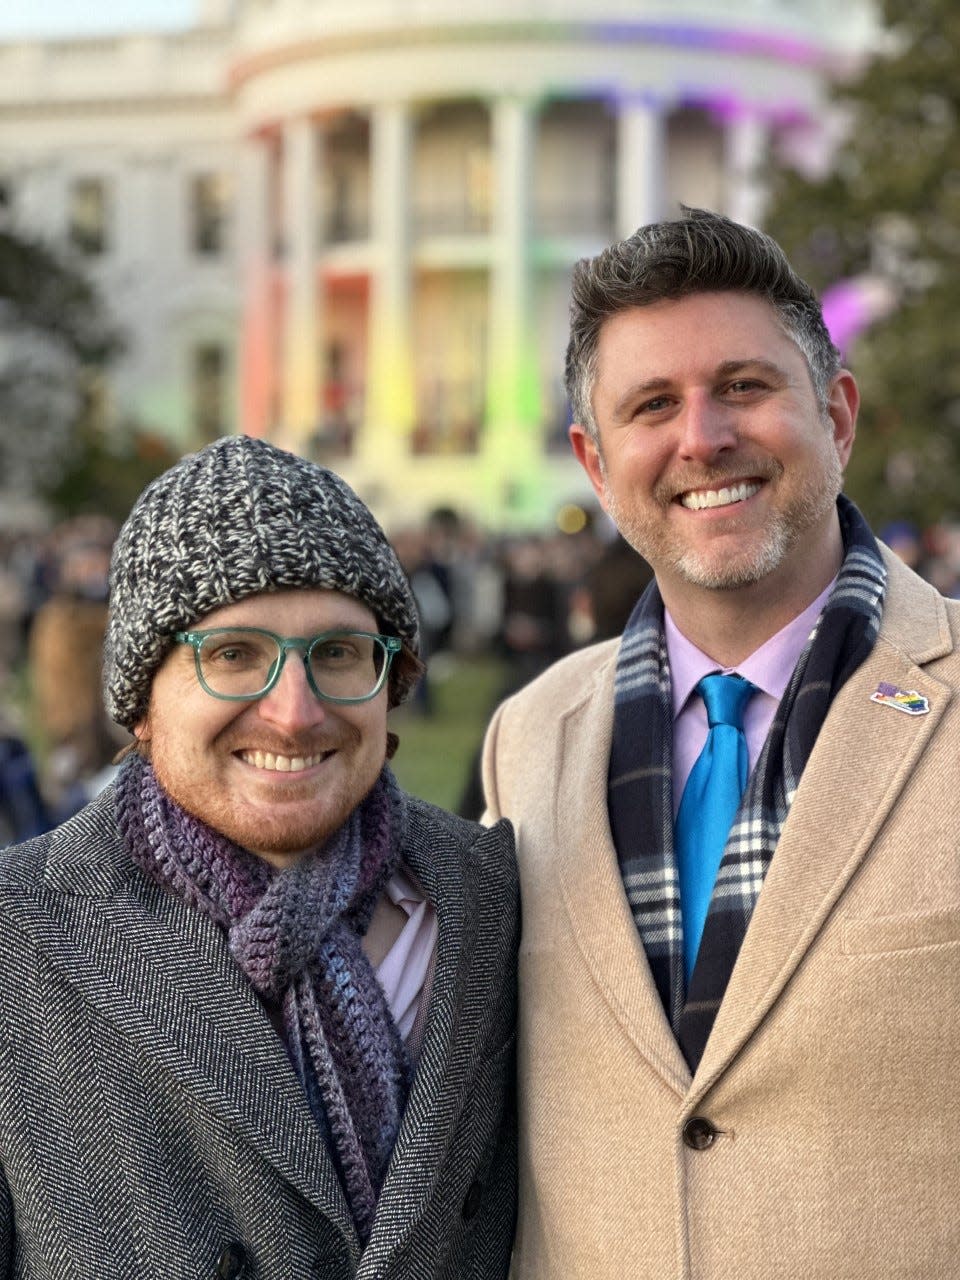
(720,567)
(303,813)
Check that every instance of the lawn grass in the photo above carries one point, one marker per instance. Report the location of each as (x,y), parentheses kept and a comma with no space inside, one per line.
(438,751)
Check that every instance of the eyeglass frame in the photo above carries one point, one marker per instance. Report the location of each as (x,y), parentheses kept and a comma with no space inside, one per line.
(391,645)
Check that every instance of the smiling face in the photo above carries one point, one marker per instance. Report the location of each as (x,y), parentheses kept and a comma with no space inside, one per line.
(281,774)
(714,458)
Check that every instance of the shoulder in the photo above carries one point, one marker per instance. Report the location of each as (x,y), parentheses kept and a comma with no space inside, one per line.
(534,714)
(568,681)
(530,731)
(86,846)
(426,823)
(918,620)
(469,872)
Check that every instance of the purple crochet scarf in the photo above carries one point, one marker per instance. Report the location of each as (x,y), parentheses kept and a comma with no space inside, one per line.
(296,934)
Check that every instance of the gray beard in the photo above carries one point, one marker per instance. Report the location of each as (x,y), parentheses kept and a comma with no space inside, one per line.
(774,543)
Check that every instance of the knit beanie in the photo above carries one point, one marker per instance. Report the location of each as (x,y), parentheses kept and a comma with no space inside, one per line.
(235,519)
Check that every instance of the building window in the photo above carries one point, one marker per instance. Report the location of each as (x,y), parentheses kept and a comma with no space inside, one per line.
(694,160)
(209,391)
(574,177)
(210,210)
(88,215)
(344,188)
(452,179)
(6,196)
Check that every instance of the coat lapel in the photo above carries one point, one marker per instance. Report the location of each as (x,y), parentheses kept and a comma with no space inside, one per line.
(860,763)
(473,895)
(182,1001)
(591,885)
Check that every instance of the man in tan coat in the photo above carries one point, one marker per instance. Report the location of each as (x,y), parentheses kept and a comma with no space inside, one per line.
(740,1028)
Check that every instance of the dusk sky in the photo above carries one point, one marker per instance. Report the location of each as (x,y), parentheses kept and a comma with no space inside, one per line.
(79,17)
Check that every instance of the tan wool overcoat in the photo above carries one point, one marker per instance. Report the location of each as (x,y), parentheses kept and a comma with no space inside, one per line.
(820,1136)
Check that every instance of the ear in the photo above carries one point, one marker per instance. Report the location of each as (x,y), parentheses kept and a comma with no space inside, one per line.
(843,402)
(142,731)
(587,453)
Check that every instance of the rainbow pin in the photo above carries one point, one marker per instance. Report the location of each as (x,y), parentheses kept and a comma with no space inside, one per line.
(907,700)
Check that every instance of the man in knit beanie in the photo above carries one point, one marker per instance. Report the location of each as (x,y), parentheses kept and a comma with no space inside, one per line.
(258,1002)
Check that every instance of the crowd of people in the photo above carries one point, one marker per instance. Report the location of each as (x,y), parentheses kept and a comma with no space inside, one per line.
(526,598)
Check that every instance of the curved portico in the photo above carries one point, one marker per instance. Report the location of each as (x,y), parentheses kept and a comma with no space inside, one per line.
(426,179)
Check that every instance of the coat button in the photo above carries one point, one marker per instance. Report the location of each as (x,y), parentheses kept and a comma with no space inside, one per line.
(699,1133)
(231,1261)
(471,1201)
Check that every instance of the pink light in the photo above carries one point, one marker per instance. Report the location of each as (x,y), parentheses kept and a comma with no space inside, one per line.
(851,306)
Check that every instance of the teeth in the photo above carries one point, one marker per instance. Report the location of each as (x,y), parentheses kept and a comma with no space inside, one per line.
(281,764)
(697,499)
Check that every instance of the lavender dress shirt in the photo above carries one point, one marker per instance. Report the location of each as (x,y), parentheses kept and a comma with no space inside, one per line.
(769,668)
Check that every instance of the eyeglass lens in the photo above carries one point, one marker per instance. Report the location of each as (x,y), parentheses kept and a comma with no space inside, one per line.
(238,663)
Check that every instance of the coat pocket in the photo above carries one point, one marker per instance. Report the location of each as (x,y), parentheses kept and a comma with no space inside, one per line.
(879,934)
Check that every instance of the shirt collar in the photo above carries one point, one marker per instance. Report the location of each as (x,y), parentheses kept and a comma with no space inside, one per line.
(768,667)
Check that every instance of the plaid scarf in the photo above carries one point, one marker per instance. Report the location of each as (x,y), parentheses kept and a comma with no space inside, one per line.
(640,781)
(296,934)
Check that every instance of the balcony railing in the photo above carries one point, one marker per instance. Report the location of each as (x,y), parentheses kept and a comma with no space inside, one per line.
(451,218)
(573,218)
(450,418)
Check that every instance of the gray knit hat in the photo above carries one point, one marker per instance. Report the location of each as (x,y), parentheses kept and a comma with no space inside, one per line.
(238,518)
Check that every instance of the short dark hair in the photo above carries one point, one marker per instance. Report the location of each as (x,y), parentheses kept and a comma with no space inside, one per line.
(702,252)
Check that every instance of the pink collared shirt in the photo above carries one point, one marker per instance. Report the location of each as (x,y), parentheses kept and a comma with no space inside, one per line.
(769,668)
(406,971)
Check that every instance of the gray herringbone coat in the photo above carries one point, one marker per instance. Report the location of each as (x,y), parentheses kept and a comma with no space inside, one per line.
(150,1123)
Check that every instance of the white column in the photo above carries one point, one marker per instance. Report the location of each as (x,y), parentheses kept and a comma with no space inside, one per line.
(510,283)
(641,164)
(256,366)
(41,201)
(154,264)
(745,144)
(301,378)
(390,395)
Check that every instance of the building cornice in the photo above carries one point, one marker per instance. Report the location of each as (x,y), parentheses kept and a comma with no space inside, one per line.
(249,63)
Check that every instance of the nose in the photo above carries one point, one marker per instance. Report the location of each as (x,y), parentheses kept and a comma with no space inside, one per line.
(291,705)
(708,428)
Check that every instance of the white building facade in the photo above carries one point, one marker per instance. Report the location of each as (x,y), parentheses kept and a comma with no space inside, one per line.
(349,226)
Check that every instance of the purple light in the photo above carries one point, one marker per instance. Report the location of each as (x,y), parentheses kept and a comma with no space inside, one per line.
(783,48)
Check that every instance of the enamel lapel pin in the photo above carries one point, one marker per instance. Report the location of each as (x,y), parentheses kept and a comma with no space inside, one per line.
(906,700)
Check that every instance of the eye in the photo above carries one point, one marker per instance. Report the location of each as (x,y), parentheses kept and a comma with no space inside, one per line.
(744,386)
(337,651)
(658,404)
(237,651)
(229,655)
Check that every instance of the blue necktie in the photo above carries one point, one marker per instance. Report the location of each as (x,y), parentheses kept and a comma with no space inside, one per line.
(709,804)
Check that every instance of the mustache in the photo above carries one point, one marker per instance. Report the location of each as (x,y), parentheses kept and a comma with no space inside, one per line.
(295,745)
(718,477)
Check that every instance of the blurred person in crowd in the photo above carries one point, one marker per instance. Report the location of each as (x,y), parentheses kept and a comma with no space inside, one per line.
(737,823)
(65,661)
(612,584)
(259,1003)
(434,605)
(12,609)
(533,621)
(23,809)
(904,540)
(940,558)
(477,590)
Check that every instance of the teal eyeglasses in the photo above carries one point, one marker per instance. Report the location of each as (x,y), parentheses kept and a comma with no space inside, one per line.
(241,664)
